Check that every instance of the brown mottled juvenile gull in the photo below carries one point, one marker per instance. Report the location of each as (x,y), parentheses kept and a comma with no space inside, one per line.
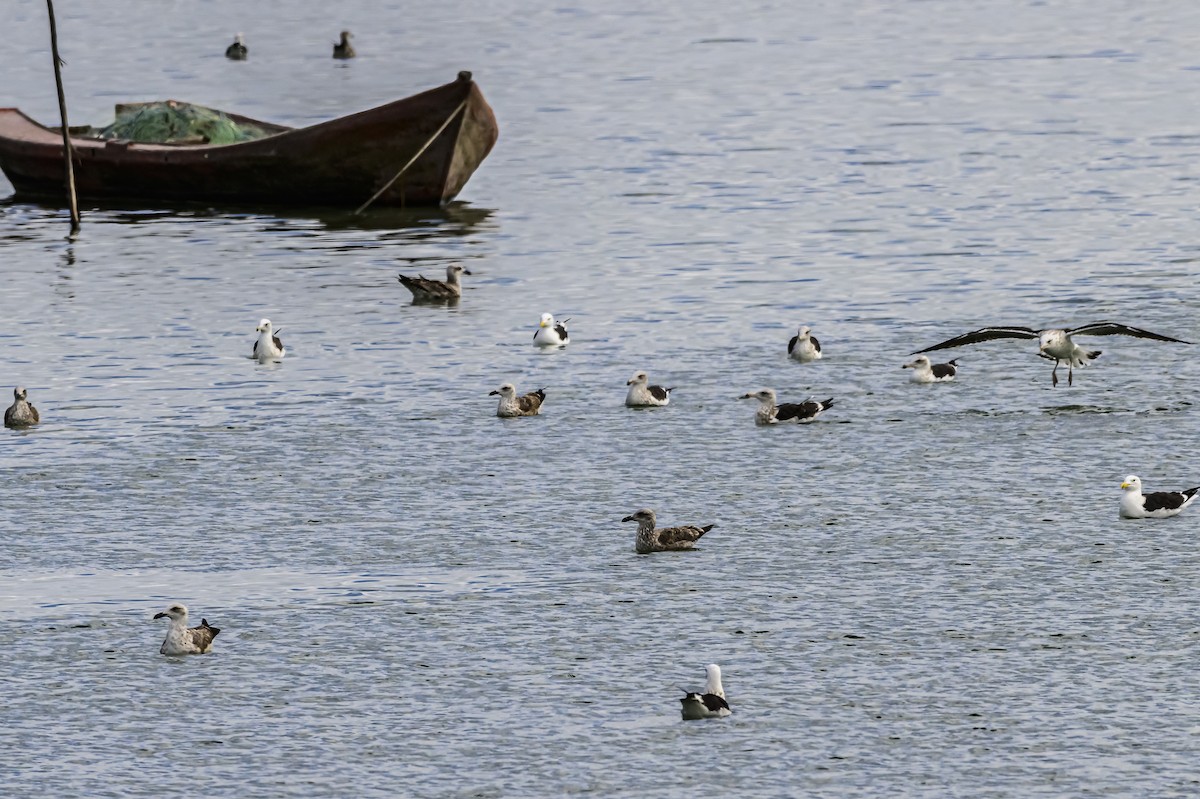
(21,413)
(268,347)
(665,539)
(184,640)
(237,51)
(1055,344)
(804,346)
(925,371)
(771,413)
(643,395)
(511,405)
(343,49)
(426,290)
(1156,504)
(708,705)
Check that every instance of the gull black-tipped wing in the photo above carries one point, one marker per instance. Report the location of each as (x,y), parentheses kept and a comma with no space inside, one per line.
(983,334)
(1114,329)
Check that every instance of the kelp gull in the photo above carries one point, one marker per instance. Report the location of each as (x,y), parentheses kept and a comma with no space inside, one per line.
(770,413)
(665,539)
(926,372)
(708,705)
(184,640)
(642,395)
(1155,505)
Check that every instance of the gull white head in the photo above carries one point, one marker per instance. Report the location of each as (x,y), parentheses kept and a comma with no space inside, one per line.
(19,393)
(921,361)
(763,395)
(803,331)
(713,685)
(176,613)
(238,38)
(264,326)
(1132,483)
(639,378)
(454,270)
(1051,339)
(547,320)
(506,391)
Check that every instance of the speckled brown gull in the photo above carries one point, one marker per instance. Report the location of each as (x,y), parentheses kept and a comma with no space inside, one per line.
(511,405)
(665,539)
(21,413)
(184,640)
(427,290)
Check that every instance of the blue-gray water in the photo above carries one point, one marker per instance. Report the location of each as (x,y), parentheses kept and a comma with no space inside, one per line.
(925,594)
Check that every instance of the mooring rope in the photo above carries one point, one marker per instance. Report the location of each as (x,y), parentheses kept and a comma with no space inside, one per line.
(413,160)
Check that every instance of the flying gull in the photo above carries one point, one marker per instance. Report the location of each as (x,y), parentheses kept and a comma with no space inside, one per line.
(268,347)
(344,49)
(237,51)
(21,413)
(1055,344)
(665,539)
(425,290)
(551,333)
(708,705)
(804,347)
(642,395)
(511,405)
(770,413)
(926,372)
(184,640)
(1155,505)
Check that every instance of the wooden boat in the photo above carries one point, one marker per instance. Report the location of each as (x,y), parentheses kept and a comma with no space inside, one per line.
(341,162)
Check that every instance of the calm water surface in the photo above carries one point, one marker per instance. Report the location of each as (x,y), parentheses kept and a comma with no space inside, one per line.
(925,594)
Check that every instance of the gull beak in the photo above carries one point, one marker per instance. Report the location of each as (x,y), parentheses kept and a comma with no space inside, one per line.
(493,393)
(628,519)
(541,324)
(1126,485)
(466,272)
(907,366)
(160,615)
(629,382)
(746,396)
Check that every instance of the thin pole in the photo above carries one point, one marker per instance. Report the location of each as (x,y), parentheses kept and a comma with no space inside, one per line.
(411,161)
(66,133)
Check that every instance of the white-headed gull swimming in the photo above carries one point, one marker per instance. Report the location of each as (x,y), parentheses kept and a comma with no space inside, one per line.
(184,640)
(643,395)
(1155,505)
(925,371)
(268,347)
(708,705)
(551,333)
(511,405)
(804,346)
(771,413)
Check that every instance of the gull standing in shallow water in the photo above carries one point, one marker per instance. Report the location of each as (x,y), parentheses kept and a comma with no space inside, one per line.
(770,413)
(665,539)
(924,371)
(1055,344)
(511,405)
(642,395)
(268,347)
(21,413)
(425,290)
(551,333)
(1155,505)
(708,705)
(804,347)
(184,640)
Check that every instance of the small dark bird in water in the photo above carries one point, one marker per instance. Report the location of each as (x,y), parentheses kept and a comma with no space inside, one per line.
(426,290)
(663,539)
(237,51)
(20,413)
(344,49)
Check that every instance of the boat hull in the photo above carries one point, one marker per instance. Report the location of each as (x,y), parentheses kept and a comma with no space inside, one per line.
(342,162)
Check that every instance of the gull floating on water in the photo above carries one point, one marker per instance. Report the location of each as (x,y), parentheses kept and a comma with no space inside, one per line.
(184,640)
(425,290)
(237,51)
(268,347)
(511,405)
(926,372)
(21,413)
(1055,344)
(343,49)
(708,705)
(664,539)
(770,413)
(804,347)
(642,395)
(551,333)
(1155,505)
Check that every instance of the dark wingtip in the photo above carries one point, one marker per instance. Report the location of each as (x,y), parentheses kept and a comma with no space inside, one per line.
(828,403)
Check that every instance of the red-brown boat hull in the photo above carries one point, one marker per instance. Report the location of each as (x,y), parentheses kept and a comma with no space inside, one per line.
(337,163)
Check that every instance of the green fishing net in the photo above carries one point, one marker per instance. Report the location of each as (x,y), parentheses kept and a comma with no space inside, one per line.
(172,121)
